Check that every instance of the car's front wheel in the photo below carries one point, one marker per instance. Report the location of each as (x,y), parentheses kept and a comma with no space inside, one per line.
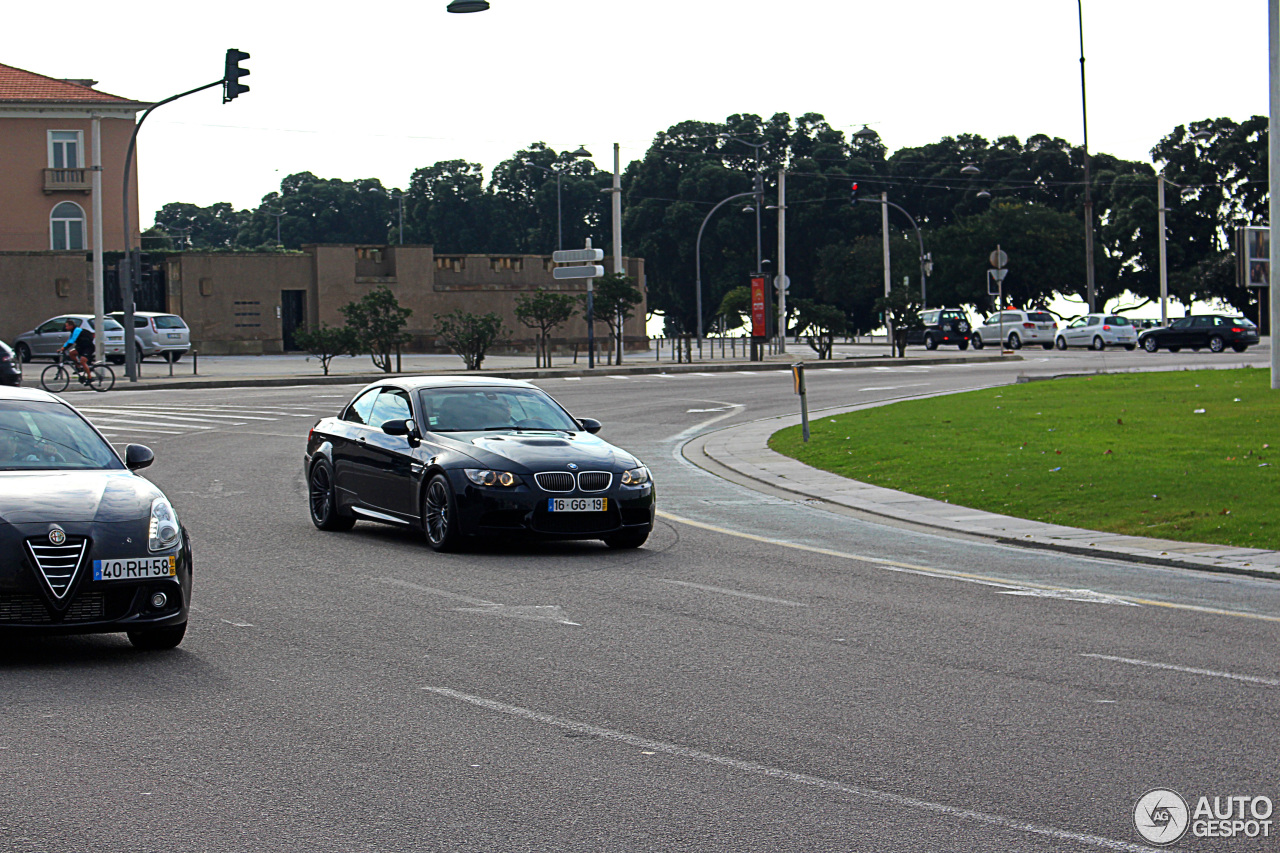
(1150,345)
(322,499)
(158,639)
(440,515)
(1060,342)
(628,538)
(977,342)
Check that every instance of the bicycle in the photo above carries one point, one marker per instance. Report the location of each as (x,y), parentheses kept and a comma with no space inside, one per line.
(56,377)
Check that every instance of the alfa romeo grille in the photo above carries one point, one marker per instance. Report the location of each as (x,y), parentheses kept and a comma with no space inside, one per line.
(594,481)
(58,563)
(555,481)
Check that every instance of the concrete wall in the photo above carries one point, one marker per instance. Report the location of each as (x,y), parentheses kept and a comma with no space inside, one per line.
(232,301)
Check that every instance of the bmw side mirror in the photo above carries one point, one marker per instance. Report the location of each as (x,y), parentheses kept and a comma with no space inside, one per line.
(591,425)
(405,427)
(138,456)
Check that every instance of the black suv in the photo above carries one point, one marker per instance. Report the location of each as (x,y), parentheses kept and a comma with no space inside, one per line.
(942,326)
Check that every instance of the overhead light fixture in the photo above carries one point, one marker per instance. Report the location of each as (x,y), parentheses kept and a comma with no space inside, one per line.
(582,149)
(866,133)
(984,194)
(468,6)
(970,169)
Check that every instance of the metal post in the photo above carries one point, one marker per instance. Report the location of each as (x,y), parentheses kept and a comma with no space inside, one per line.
(782,261)
(884,230)
(697,259)
(1273,169)
(559,217)
(99,299)
(1164,270)
(591,318)
(616,211)
(1088,191)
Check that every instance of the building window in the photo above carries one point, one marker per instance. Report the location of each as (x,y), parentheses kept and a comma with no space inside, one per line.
(65,149)
(66,225)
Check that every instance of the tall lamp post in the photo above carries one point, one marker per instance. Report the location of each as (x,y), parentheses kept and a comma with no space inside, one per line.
(277,214)
(1088,189)
(697,259)
(1161,180)
(559,173)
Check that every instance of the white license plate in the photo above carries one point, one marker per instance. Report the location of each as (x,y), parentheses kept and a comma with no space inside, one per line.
(175,335)
(577,504)
(135,568)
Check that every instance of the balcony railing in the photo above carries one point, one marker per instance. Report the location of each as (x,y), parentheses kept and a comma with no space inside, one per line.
(68,180)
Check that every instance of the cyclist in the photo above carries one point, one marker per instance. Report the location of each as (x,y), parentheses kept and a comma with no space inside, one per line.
(80,344)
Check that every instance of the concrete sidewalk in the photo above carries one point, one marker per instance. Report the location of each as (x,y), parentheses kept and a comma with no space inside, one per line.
(744,450)
(295,369)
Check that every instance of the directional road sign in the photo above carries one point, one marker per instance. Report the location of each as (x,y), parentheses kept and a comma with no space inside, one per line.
(591,271)
(575,256)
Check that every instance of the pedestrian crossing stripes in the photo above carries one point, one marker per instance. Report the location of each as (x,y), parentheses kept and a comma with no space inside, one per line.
(155,420)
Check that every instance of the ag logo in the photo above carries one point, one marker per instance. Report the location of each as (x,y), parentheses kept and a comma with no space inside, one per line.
(57,535)
(1161,816)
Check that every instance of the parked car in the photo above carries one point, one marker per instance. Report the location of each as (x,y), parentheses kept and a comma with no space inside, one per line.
(45,340)
(1018,328)
(1098,331)
(941,326)
(87,546)
(458,457)
(10,366)
(165,335)
(1215,331)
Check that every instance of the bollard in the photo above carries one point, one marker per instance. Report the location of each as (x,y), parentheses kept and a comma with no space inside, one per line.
(170,360)
(195,362)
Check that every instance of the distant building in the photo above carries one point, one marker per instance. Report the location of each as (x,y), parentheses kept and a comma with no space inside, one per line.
(46,137)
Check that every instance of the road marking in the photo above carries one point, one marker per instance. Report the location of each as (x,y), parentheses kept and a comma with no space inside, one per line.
(156,421)
(236,624)
(128,426)
(892,387)
(908,568)
(534,612)
(466,599)
(735,593)
(573,379)
(182,421)
(1070,595)
(170,412)
(756,769)
(720,409)
(1252,679)
(615,376)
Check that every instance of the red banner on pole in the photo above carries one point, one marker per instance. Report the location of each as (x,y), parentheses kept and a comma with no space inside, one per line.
(759,307)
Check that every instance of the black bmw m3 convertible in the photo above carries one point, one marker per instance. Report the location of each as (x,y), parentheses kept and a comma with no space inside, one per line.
(86,545)
(461,457)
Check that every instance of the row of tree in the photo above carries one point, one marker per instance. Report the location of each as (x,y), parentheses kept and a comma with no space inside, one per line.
(1026,196)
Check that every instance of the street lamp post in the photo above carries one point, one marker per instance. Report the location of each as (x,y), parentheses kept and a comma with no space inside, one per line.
(277,214)
(1088,190)
(581,152)
(697,259)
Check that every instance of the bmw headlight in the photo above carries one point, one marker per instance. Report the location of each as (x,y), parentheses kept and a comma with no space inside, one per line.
(485,477)
(164,526)
(636,476)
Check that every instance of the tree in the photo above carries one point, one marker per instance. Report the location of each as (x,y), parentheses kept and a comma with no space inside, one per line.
(325,343)
(319,210)
(821,322)
(544,311)
(469,335)
(378,322)
(615,298)
(193,227)
(734,309)
(901,312)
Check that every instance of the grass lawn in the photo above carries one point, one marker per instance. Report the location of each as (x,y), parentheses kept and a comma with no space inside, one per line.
(1191,455)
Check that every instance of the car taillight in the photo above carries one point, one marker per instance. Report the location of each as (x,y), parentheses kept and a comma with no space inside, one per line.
(152,323)
(1106,328)
(1028,325)
(1236,329)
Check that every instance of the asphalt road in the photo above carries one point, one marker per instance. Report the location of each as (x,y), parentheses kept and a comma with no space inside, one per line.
(763,675)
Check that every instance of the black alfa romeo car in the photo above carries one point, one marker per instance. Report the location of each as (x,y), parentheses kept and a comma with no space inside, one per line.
(461,457)
(86,545)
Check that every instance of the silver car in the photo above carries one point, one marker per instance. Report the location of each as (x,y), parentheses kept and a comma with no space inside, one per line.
(1016,328)
(165,335)
(45,340)
(1098,331)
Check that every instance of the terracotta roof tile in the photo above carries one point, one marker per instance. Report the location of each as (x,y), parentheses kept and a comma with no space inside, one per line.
(17,85)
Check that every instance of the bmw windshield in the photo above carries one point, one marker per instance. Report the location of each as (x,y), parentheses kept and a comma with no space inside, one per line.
(37,436)
(475,409)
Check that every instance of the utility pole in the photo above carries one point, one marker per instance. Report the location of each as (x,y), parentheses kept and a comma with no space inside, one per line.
(1273,168)
(616,209)
(99,298)
(888,283)
(782,261)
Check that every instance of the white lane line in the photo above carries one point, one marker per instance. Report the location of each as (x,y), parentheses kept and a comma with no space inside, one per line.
(170,412)
(237,624)
(757,769)
(892,387)
(573,379)
(735,593)
(1252,679)
(153,421)
(127,426)
(156,416)
(926,571)
(612,376)
(466,599)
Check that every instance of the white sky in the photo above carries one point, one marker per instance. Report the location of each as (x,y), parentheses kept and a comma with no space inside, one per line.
(377,89)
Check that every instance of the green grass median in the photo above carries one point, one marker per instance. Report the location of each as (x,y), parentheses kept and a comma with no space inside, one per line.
(1186,455)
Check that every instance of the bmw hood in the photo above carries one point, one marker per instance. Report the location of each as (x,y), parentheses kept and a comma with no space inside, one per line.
(549,451)
(74,496)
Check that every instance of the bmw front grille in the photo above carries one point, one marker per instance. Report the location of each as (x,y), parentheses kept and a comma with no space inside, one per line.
(564,481)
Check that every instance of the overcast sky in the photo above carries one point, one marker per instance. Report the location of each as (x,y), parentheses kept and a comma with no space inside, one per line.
(377,89)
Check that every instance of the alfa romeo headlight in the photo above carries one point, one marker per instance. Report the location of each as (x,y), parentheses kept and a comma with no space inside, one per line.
(485,477)
(164,526)
(635,476)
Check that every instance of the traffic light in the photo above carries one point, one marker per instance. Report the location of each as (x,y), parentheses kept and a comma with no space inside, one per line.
(146,270)
(853,194)
(231,85)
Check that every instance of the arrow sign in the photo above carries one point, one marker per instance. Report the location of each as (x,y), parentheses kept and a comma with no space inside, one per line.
(592,271)
(577,256)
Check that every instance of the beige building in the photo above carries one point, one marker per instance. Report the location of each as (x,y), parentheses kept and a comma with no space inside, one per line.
(251,303)
(46,158)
